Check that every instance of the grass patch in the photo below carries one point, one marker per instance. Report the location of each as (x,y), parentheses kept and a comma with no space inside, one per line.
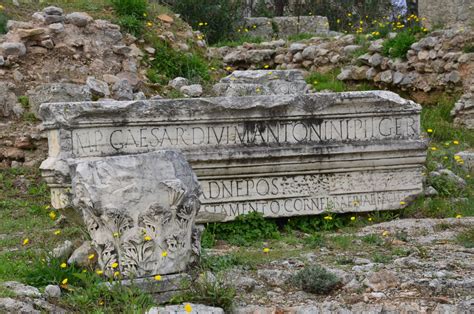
(300,36)
(468,48)
(239,41)
(466,238)
(326,81)
(169,63)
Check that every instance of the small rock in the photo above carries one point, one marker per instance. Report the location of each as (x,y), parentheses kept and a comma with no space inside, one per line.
(431,191)
(361,261)
(80,19)
(297,47)
(12,49)
(64,250)
(165,18)
(139,96)
(48,43)
(150,50)
(10,305)
(123,50)
(274,277)
(178,82)
(376,45)
(97,88)
(194,90)
(122,90)
(56,27)
(52,10)
(13,153)
(25,33)
(24,142)
(53,19)
(52,291)
(397,77)
(382,280)
(351,48)
(386,76)
(375,60)
(80,256)
(22,290)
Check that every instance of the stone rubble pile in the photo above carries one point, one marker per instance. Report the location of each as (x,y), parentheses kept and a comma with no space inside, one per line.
(84,58)
(435,62)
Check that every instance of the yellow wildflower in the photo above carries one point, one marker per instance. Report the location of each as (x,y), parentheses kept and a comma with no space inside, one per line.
(385,233)
(188,308)
(315,82)
(205,23)
(63,265)
(370,219)
(328,217)
(149,24)
(429,130)
(90,257)
(433,148)
(164,253)
(99,272)
(402,203)
(458,216)
(266,66)
(258,90)
(26,241)
(1,7)
(228,68)
(116,274)
(52,215)
(145,15)
(246,30)
(349,14)
(116,234)
(455,142)
(147,238)
(57,232)
(266,250)
(101,302)
(157,277)
(201,24)
(254,26)
(64,282)
(338,21)
(115,265)
(84,270)
(353,218)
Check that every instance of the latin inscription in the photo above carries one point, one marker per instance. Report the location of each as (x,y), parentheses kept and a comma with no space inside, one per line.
(132,139)
(311,205)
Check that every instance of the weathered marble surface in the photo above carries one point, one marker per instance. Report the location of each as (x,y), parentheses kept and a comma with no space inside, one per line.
(139,211)
(261,82)
(281,155)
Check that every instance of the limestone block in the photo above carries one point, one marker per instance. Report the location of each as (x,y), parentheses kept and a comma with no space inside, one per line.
(139,211)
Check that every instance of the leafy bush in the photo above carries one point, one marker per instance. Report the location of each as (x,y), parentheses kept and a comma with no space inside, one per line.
(315,279)
(131,24)
(398,46)
(215,18)
(209,291)
(135,8)
(169,63)
(219,263)
(244,230)
(3,23)
(312,224)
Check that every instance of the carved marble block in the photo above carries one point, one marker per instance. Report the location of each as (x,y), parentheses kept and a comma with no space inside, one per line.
(280,155)
(139,211)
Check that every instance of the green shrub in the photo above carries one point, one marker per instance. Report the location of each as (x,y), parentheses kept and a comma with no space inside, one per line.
(219,263)
(466,238)
(244,230)
(398,46)
(215,18)
(209,291)
(131,24)
(48,271)
(468,48)
(169,63)
(315,279)
(3,23)
(135,8)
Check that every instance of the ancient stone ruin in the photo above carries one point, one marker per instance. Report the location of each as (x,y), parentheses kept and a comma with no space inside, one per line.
(139,211)
(280,155)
